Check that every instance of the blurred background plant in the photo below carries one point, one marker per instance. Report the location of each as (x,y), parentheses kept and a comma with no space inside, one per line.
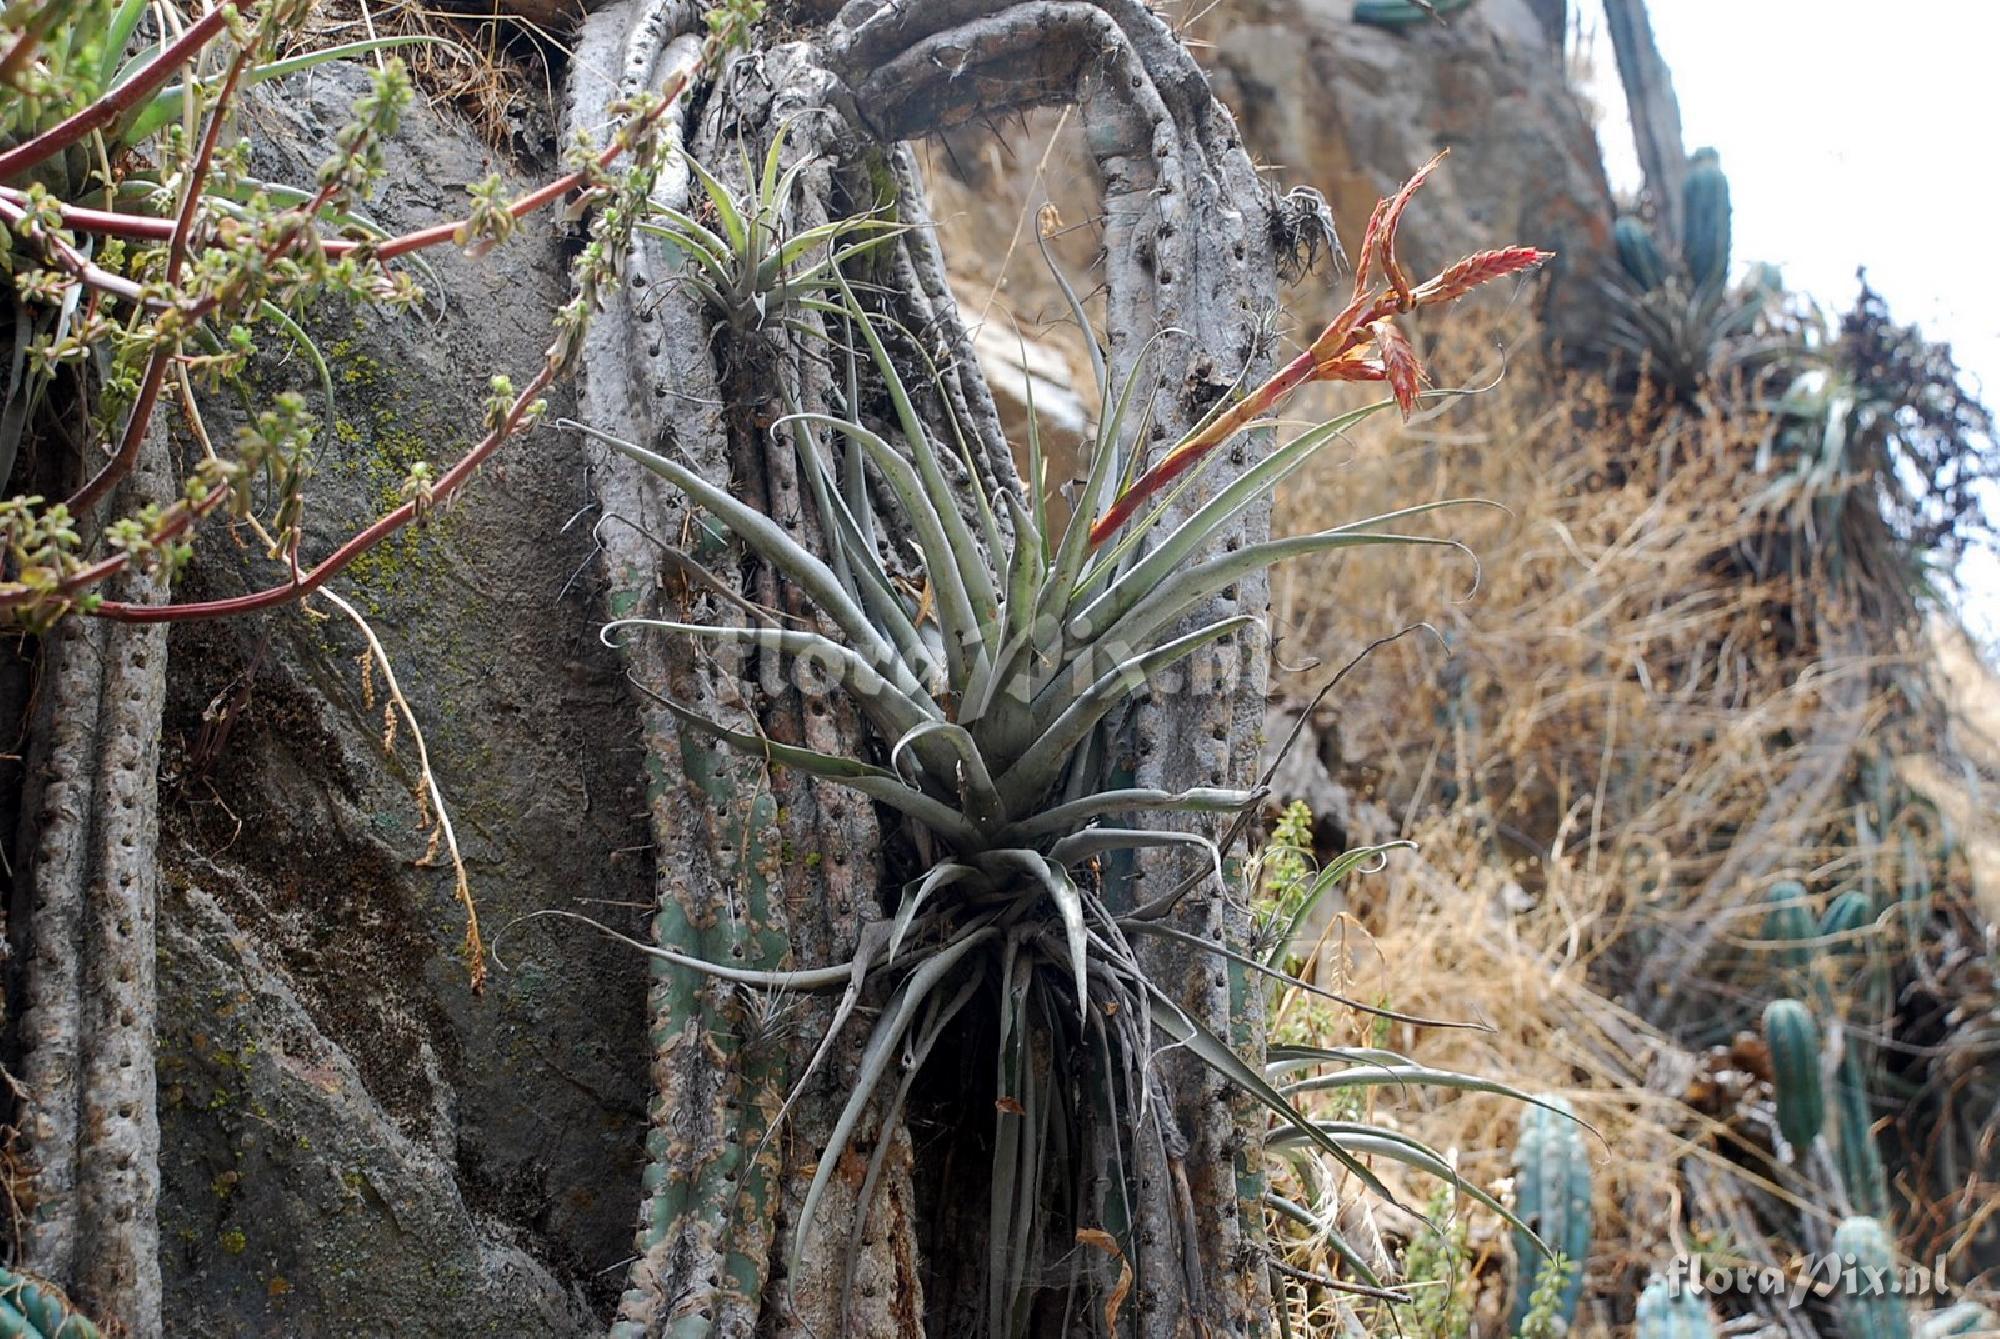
(1693,666)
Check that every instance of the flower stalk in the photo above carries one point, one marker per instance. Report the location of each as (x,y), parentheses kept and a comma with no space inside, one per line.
(1362,343)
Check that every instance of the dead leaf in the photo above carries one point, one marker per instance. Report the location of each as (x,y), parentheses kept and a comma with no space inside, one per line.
(1104,1241)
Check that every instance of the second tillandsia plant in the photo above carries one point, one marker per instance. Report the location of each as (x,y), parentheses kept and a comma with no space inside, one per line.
(989,695)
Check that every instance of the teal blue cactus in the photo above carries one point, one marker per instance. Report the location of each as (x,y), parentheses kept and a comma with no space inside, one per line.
(1845,917)
(1792,1034)
(1865,1313)
(1400,14)
(1705,205)
(1861,1171)
(1639,254)
(1552,1194)
(32,1309)
(1667,1312)
(1790,926)
(1968,1318)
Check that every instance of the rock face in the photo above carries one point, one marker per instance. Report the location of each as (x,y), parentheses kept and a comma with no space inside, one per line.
(1353,109)
(353,1143)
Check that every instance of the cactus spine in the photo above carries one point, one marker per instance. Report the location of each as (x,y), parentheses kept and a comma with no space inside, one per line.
(1667,1312)
(1705,198)
(1793,1038)
(1865,1313)
(1552,1193)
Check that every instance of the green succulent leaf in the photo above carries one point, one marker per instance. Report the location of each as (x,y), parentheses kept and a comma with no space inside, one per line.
(875,1061)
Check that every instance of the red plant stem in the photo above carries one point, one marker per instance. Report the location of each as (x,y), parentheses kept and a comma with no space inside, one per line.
(1183,457)
(17,55)
(542,195)
(139,227)
(304,583)
(119,100)
(148,399)
(444,232)
(71,260)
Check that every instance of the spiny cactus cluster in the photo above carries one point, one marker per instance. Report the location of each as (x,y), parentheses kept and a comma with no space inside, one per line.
(1704,252)
(1808,950)
(1672,307)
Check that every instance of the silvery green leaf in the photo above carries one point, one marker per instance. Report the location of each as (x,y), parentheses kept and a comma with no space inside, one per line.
(1029,778)
(1062,891)
(880,1052)
(874,782)
(1068,817)
(956,616)
(891,711)
(766,536)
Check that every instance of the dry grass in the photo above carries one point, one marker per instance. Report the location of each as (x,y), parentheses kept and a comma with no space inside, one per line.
(1626,706)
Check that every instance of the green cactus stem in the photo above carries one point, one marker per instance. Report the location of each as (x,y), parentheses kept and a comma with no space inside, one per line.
(1860,1162)
(1552,1194)
(1705,198)
(1866,1313)
(1400,14)
(1667,1312)
(1639,254)
(1793,1038)
(1790,926)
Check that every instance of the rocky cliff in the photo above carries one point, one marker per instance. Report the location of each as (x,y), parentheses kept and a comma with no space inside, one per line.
(353,1142)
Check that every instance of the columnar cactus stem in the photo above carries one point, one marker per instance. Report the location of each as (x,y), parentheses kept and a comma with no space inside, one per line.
(90,1127)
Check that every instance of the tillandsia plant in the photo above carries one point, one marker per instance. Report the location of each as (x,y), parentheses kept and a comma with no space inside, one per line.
(752,266)
(988,695)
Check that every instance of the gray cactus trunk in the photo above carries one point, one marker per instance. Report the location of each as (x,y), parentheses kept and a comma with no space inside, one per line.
(1654,111)
(754,866)
(1186,259)
(84,922)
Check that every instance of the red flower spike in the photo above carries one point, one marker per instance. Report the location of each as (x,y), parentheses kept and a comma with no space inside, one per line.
(1481,267)
(1340,352)
(1400,367)
(1392,218)
(1364,263)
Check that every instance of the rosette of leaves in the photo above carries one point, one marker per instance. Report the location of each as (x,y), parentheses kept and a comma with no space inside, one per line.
(987,698)
(754,265)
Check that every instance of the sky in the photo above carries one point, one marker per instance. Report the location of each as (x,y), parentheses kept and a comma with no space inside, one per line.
(1852,134)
